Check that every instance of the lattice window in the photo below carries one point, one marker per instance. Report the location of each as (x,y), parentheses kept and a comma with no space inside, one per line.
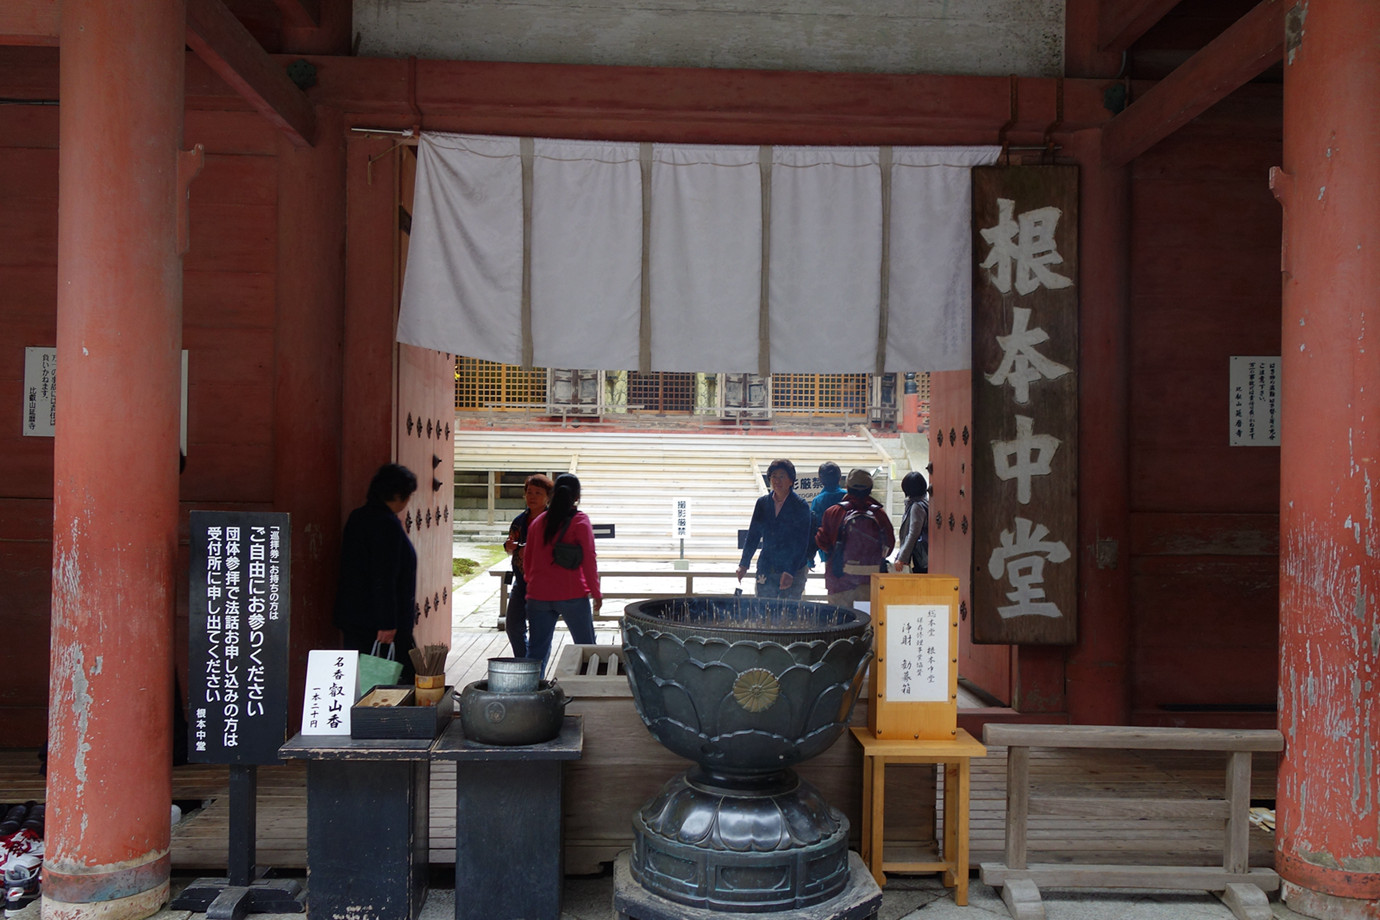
(491,386)
(794,392)
(499,387)
(660,392)
(820,394)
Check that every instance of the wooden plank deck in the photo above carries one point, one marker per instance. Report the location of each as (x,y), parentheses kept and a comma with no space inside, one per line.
(199,842)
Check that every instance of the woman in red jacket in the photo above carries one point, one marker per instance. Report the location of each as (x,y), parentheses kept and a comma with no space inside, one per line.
(562,576)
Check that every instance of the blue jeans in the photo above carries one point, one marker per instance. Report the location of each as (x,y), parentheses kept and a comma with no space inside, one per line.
(541,624)
(515,620)
(769,585)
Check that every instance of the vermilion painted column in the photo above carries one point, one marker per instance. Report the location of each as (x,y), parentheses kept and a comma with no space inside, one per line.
(307,373)
(1098,673)
(119,334)
(1328,843)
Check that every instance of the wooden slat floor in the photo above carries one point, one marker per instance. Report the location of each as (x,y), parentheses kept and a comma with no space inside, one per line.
(199,842)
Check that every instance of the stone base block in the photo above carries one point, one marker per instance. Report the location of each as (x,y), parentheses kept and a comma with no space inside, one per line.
(859,900)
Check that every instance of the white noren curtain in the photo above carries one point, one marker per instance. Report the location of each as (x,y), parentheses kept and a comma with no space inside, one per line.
(539,247)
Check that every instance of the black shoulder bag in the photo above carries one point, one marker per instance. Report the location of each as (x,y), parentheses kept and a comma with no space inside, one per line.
(567,555)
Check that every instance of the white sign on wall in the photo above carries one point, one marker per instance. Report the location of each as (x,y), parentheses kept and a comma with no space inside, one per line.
(680,518)
(1254,401)
(40,392)
(40,395)
(917,653)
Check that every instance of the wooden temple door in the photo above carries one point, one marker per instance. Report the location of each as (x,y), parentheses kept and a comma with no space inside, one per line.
(424,439)
(987,667)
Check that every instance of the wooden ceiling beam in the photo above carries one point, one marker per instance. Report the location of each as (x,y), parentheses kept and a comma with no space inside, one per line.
(226,46)
(701,105)
(1122,22)
(29,22)
(302,14)
(1248,47)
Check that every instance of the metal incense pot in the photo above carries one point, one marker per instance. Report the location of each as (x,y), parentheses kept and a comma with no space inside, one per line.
(746,688)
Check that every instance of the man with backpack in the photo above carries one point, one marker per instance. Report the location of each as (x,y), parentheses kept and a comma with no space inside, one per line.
(858,536)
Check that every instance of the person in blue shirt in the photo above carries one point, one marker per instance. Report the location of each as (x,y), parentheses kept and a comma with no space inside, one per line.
(831,493)
(781,525)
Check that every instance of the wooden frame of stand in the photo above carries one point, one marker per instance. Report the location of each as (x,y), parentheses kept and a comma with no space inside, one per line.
(914,717)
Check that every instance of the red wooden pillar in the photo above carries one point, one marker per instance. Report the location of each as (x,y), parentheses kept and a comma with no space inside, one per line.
(119,333)
(1328,845)
(1098,675)
(307,380)
(369,388)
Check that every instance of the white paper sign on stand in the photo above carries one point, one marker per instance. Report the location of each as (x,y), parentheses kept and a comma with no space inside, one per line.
(331,678)
(917,664)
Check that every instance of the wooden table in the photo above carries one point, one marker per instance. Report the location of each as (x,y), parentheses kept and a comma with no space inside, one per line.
(508,823)
(368,825)
(954,754)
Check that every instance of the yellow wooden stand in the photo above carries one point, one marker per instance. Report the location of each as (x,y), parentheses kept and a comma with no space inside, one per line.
(915,670)
(954,754)
(913,718)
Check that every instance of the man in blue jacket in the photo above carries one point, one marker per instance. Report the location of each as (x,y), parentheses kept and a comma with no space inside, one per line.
(781,525)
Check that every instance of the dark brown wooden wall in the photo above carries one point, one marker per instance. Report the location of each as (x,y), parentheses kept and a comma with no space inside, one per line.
(231,320)
(1205,285)
(28,317)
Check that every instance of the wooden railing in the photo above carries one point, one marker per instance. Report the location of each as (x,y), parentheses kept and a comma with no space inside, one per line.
(685,576)
(1242,888)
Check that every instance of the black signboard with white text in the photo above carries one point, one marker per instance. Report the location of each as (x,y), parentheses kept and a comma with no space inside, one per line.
(238,662)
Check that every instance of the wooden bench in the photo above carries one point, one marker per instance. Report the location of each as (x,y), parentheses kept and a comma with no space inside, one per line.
(1241,888)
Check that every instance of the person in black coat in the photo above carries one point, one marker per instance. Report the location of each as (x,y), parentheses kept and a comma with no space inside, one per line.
(377,592)
(781,525)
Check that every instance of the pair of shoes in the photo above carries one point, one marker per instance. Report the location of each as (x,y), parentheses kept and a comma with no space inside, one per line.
(23,880)
(22,849)
(27,840)
(21,855)
(14,817)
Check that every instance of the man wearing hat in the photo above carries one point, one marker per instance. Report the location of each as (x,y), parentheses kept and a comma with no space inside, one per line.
(858,536)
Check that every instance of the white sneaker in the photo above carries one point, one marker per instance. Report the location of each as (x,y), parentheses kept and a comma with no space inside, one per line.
(22,881)
(22,843)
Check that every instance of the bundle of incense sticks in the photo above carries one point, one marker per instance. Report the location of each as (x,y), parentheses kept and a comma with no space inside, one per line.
(431,660)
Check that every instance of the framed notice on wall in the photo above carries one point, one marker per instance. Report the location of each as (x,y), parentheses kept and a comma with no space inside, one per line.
(1254,401)
(915,670)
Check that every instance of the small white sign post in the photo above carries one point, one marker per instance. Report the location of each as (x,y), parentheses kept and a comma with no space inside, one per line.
(331,681)
(680,528)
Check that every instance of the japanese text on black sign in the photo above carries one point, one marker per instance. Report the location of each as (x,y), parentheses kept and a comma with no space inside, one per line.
(239,637)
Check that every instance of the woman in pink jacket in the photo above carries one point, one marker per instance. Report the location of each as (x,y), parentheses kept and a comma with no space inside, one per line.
(562,576)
